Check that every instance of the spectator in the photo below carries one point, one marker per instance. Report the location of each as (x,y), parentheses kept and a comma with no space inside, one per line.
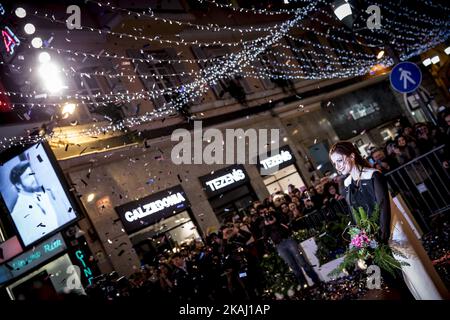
(277,230)
(308,206)
(382,163)
(184,279)
(403,151)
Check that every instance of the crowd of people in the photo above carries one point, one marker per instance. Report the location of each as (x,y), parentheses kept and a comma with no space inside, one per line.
(227,264)
(413,141)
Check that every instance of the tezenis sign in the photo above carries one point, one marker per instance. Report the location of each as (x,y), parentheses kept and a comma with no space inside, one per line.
(224,180)
(276,161)
(141,213)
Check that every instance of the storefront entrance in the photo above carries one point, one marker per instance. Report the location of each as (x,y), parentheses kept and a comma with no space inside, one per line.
(229,192)
(159,223)
(279,171)
(163,237)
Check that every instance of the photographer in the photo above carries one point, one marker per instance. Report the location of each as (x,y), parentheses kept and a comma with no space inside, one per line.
(235,240)
(277,230)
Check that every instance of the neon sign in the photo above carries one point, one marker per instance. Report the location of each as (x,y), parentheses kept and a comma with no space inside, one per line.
(9,40)
(86,270)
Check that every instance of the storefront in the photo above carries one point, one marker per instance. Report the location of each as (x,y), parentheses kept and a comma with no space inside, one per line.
(280,170)
(41,273)
(159,223)
(229,191)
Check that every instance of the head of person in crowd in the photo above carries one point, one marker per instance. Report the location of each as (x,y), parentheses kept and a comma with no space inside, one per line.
(401,141)
(345,157)
(331,190)
(378,154)
(408,131)
(422,131)
(447,118)
(256,203)
(308,203)
(390,148)
(278,199)
(291,188)
(179,260)
(294,208)
(284,208)
(296,200)
(164,269)
(262,210)
(312,191)
(319,188)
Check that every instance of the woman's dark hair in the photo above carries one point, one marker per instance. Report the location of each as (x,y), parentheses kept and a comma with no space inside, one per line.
(347,149)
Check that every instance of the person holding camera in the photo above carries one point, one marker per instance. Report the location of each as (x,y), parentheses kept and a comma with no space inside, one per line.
(277,230)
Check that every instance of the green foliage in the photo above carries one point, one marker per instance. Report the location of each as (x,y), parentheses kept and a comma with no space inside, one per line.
(380,254)
(277,276)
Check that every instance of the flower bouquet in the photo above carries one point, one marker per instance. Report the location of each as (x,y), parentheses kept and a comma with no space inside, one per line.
(364,248)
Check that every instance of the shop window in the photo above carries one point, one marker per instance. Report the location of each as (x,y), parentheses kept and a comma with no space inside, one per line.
(48,286)
(281,179)
(164,236)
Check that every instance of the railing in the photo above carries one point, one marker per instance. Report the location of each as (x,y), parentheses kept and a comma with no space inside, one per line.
(424,185)
(316,219)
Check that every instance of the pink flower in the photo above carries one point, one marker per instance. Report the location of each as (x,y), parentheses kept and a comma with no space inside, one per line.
(360,240)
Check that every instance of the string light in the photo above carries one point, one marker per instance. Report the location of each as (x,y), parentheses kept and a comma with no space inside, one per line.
(240,63)
(209,26)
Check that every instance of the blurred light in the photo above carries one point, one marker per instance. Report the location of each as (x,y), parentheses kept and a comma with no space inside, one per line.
(44,57)
(447,50)
(319,167)
(286,1)
(426,62)
(20,12)
(36,42)
(285,139)
(29,28)
(380,54)
(90,197)
(68,109)
(50,75)
(435,59)
(342,9)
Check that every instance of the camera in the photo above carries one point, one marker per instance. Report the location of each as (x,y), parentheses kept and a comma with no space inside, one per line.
(269,217)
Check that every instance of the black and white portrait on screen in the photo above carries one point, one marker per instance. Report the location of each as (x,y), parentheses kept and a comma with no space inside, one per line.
(33,195)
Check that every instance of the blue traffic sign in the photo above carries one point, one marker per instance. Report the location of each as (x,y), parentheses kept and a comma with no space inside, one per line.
(406,77)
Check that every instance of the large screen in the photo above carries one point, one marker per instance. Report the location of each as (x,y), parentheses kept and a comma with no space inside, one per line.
(34,194)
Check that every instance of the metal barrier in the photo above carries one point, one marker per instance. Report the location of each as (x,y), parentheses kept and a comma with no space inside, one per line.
(316,218)
(424,185)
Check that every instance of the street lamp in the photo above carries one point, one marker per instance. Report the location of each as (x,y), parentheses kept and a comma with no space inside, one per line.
(380,54)
(435,60)
(426,62)
(68,109)
(49,74)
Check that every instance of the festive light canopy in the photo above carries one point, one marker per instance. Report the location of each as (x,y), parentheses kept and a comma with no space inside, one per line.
(306,41)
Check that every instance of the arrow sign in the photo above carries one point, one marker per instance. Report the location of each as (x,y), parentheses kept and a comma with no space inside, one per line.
(405,77)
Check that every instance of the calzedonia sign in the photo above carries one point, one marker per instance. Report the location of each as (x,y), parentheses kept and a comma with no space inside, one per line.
(224,180)
(141,213)
(276,161)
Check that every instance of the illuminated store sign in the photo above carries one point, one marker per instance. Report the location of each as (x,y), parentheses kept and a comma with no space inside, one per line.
(276,162)
(224,180)
(32,258)
(146,211)
(10,40)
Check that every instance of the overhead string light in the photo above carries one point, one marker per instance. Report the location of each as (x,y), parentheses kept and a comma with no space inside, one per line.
(145,38)
(210,26)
